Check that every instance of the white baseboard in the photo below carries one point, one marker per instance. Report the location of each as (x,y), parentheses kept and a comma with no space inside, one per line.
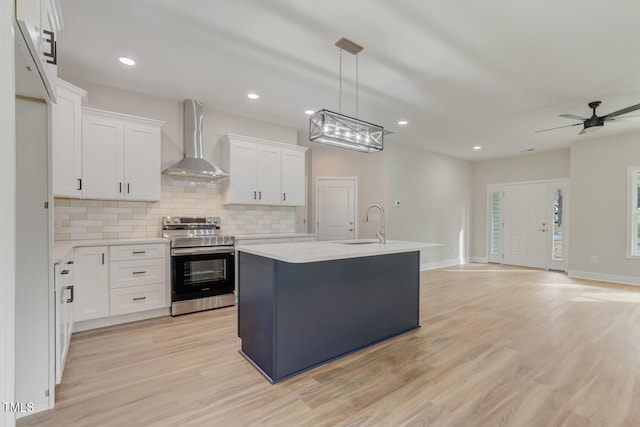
(480,259)
(85,325)
(441,264)
(613,278)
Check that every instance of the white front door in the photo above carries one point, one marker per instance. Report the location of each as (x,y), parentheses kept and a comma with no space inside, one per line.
(336,208)
(526,225)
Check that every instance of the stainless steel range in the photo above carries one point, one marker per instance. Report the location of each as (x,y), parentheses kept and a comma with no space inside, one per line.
(202,264)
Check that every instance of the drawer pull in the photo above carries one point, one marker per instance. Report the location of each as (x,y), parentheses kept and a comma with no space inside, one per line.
(64,272)
(139,298)
(139,272)
(139,252)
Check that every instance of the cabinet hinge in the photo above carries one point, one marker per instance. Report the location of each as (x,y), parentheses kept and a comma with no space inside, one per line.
(46,205)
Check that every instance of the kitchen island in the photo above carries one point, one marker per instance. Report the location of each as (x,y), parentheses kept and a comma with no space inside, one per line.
(301,305)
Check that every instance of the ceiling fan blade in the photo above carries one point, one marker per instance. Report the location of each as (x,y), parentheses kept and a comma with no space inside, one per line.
(559,127)
(622,119)
(624,111)
(573,116)
(387,132)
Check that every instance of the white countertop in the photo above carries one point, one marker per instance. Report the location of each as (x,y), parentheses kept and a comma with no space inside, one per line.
(301,252)
(272,236)
(62,248)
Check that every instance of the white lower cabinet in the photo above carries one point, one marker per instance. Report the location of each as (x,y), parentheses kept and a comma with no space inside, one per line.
(138,279)
(64,313)
(119,279)
(137,298)
(91,277)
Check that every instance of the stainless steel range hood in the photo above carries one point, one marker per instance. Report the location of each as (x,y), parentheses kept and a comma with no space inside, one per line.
(193,163)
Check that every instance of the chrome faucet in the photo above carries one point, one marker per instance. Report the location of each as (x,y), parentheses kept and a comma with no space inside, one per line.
(380,232)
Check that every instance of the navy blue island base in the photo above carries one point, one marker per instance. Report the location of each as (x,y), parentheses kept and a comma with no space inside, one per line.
(295,316)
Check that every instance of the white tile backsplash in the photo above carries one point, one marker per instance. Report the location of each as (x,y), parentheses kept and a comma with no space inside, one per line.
(109,219)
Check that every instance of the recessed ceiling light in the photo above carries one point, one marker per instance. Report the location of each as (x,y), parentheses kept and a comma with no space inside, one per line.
(403,122)
(477,148)
(252,95)
(126,61)
(309,112)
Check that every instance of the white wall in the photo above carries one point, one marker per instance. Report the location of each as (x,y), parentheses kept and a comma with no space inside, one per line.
(435,202)
(7,212)
(527,167)
(434,193)
(599,208)
(371,170)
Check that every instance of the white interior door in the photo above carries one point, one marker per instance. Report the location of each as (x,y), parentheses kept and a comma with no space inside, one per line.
(336,208)
(525,225)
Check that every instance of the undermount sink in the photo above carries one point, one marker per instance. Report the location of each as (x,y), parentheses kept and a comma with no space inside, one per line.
(357,242)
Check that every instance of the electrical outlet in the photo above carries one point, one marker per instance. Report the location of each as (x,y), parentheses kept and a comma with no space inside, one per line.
(594,259)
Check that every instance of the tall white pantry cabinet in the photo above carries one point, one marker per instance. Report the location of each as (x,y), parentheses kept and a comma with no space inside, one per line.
(34,298)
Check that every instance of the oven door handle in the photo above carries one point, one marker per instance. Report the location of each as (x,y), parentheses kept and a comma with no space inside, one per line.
(203,250)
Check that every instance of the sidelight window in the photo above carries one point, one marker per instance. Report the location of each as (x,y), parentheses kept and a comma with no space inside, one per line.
(634,212)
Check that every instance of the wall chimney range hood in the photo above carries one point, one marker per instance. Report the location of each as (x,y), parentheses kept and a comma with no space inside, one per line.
(193,164)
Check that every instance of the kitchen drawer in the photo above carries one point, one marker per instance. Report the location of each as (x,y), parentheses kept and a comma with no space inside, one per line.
(138,298)
(137,272)
(129,252)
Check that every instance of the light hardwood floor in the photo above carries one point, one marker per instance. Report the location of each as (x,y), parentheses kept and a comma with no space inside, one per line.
(499,346)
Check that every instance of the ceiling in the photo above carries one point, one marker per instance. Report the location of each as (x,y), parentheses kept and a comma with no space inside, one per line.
(462,73)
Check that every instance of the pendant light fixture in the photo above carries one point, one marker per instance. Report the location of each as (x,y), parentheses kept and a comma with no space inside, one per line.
(329,127)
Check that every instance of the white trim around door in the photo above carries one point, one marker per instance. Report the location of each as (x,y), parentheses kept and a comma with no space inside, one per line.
(336,207)
(553,199)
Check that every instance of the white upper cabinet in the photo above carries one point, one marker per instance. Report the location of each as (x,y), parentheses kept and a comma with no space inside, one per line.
(268,170)
(142,161)
(38,23)
(257,168)
(66,140)
(293,177)
(120,156)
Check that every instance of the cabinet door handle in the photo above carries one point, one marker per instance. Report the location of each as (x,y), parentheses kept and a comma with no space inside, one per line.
(64,272)
(79,184)
(138,252)
(284,197)
(139,272)
(128,188)
(139,298)
(119,187)
(72,297)
(70,262)
(259,195)
(254,195)
(53,54)
(102,258)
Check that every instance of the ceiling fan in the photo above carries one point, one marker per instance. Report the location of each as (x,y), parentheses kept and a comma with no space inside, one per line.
(596,122)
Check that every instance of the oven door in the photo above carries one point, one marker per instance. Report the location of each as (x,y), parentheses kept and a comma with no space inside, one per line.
(201,272)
